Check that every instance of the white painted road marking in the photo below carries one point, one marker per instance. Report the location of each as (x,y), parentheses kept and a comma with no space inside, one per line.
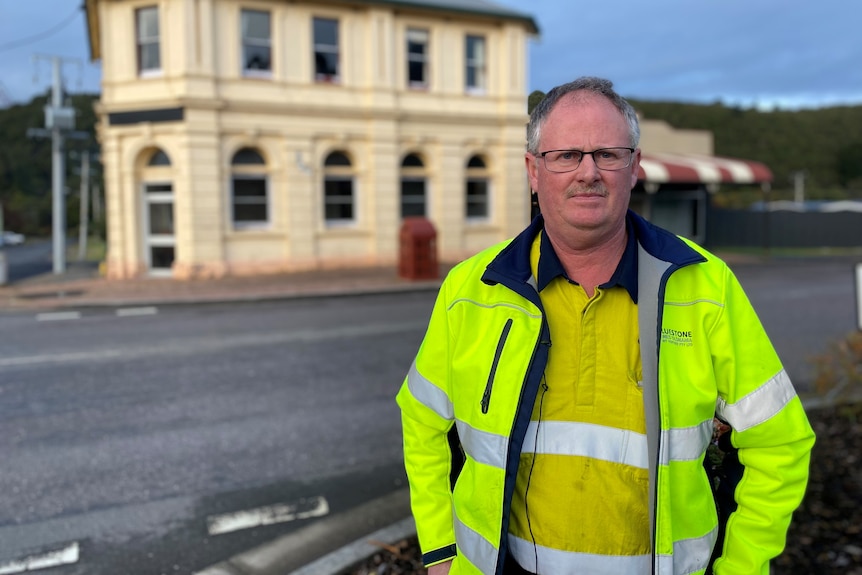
(65,556)
(58,316)
(214,344)
(136,311)
(268,515)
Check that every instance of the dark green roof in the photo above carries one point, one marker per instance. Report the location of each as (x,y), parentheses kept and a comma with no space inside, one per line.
(477,7)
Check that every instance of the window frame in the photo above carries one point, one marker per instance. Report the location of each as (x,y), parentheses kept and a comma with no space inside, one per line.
(477,175)
(339,173)
(325,49)
(250,172)
(142,42)
(422,59)
(251,42)
(477,64)
(413,174)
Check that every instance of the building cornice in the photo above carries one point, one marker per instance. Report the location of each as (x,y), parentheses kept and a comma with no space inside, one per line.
(93,29)
(466,7)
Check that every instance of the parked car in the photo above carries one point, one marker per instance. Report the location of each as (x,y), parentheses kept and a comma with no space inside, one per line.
(9,238)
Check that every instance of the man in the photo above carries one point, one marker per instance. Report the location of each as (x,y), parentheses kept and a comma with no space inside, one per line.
(582,365)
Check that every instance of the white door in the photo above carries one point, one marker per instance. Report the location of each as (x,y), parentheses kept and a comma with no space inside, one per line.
(159,228)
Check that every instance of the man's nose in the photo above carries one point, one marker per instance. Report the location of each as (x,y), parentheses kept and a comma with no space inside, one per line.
(588,170)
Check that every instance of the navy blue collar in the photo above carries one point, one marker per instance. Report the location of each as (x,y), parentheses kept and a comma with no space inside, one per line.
(626,274)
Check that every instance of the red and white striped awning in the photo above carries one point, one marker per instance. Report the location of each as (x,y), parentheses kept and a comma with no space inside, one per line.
(700,169)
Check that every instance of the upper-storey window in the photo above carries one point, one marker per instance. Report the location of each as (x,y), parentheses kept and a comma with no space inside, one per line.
(326,50)
(476,64)
(417,58)
(147,38)
(256,42)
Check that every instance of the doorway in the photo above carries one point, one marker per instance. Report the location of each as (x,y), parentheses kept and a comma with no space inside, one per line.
(159,241)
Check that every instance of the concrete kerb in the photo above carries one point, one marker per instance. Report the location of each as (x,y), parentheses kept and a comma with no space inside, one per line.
(328,546)
(61,301)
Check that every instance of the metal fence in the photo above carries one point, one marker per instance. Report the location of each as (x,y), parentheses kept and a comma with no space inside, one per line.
(783,229)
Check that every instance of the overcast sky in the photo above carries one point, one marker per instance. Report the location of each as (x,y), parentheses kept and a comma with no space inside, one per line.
(744,52)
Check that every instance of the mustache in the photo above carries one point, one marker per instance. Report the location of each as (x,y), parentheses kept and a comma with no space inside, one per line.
(597,190)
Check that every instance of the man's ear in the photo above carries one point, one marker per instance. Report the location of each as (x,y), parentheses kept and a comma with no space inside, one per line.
(532,164)
(535,209)
(635,167)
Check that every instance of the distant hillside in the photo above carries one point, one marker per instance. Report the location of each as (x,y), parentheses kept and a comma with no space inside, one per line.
(25,164)
(825,143)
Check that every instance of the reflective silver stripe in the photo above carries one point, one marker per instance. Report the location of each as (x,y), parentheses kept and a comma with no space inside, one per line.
(587,440)
(689,555)
(429,394)
(759,405)
(559,561)
(493,305)
(685,443)
(475,548)
(484,447)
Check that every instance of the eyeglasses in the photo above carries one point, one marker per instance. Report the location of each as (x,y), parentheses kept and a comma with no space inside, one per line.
(560,161)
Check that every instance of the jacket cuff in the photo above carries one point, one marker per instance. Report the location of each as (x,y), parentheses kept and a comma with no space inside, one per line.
(439,555)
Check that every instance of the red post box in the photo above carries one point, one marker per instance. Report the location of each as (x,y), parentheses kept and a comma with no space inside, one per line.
(417,257)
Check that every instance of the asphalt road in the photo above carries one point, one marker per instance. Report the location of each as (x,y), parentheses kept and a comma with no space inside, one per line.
(125,439)
(806,306)
(27,260)
(128,434)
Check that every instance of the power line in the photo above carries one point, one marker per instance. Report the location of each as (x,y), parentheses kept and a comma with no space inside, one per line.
(41,36)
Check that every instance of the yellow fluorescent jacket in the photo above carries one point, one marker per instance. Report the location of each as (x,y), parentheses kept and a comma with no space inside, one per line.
(703,352)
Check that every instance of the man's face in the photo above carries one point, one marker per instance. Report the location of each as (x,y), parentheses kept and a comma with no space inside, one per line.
(587,199)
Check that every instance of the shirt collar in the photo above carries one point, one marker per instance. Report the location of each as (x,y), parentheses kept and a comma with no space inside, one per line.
(625,275)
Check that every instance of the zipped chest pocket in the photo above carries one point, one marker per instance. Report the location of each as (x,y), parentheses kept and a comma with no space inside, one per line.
(501,343)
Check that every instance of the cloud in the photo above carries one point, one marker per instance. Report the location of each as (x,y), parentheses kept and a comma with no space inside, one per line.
(704,51)
(751,52)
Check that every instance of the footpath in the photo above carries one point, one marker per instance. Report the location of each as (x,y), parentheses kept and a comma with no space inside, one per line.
(81,286)
(328,546)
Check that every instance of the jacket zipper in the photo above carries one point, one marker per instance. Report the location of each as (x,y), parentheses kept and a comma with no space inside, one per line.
(486,397)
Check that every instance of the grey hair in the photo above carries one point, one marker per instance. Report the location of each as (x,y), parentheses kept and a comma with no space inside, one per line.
(589,84)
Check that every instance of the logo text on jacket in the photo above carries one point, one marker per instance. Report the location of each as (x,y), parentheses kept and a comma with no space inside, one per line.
(680,337)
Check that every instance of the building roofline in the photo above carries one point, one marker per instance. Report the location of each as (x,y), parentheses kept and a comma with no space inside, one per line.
(460,7)
(93,33)
(487,9)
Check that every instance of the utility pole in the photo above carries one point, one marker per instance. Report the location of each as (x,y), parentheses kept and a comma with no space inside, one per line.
(59,126)
(84,207)
(799,187)
(57,119)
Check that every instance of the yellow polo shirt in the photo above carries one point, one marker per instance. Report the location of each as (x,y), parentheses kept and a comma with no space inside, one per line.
(581,492)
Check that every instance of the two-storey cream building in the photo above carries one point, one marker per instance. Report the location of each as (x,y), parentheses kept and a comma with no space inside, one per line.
(255,136)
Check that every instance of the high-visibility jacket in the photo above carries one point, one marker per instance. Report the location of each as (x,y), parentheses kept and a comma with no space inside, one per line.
(704,353)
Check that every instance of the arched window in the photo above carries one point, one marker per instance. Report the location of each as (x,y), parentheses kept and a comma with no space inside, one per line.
(413,202)
(477,193)
(157,216)
(338,195)
(249,189)
(159,158)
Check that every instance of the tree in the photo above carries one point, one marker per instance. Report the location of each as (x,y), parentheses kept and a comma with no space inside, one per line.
(25,163)
(534,99)
(849,165)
